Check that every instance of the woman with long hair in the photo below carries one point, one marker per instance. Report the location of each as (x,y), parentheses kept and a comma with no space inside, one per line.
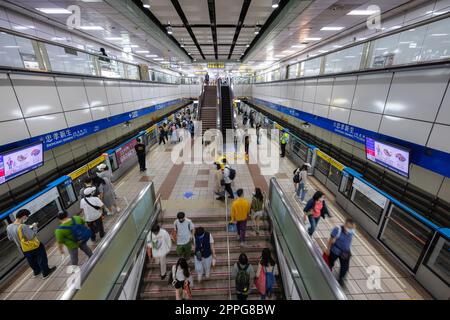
(300,179)
(243,274)
(257,208)
(182,280)
(314,210)
(265,275)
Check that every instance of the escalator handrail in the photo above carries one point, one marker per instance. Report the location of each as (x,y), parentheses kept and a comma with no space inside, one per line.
(322,266)
(100,250)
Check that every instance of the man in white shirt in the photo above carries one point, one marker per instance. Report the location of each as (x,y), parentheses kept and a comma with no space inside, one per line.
(158,246)
(91,207)
(185,234)
(227,180)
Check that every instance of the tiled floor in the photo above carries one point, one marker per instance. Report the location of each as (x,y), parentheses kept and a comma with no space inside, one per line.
(23,287)
(396,283)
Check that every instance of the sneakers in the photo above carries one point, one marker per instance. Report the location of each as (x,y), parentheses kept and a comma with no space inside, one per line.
(304,202)
(50,271)
(164,276)
(341,282)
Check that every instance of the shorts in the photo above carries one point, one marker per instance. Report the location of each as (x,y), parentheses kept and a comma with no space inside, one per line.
(184,250)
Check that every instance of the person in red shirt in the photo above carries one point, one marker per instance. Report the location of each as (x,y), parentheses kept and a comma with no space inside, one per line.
(314,210)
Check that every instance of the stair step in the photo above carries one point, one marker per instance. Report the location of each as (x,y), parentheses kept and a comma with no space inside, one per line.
(218,225)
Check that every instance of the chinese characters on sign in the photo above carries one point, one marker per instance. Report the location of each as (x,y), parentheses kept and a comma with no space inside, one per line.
(348,131)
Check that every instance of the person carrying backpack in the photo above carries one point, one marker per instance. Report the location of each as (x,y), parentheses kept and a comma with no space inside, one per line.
(243,273)
(92,210)
(73,234)
(228,176)
(300,179)
(205,253)
(265,275)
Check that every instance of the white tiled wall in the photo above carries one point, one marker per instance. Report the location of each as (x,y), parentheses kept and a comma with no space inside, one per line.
(34,104)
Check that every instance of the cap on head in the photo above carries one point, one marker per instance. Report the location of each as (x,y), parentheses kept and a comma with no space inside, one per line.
(89,191)
(101,167)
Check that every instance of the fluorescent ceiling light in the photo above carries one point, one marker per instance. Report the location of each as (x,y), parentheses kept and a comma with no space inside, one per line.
(313,39)
(11,47)
(54,10)
(331,28)
(158,59)
(91,28)
(23,27)
(362,12)
(142,51)
(134,46)
(288,51)
(438,34)
(114,38)
(151,56)
(299,46)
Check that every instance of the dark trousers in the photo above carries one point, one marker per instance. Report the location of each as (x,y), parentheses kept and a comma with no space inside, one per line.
(141,160)
(229,190)
(345,264)
(241,297)
(96,227)
(241,228)
(161,139)
(313,224)
(37,259)
(283,149)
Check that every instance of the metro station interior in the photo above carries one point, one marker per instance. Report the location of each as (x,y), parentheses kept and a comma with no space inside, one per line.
(306,140)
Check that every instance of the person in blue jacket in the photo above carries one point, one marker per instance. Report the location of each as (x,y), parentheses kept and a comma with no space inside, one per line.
(315,209)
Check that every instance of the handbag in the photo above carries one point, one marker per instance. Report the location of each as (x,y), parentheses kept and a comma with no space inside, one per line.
(326,258)
(186,293)
(260,282)
(232,227)
(27,245)
(173,235)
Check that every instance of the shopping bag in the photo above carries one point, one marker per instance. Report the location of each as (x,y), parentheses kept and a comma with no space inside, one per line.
(260,282)
(232,227)
(326,258)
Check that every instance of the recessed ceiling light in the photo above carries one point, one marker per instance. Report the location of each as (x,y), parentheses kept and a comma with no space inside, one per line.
(169,28)
(331,28)
(257,29)
(54,10)
(91,28)
(362,12)
(275,3)
(142,51)
(113,38)
(146,3)
(313,39)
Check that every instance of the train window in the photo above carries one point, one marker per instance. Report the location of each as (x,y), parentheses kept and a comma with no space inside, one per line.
(346,185)
(322,165)
(8,251)
(335,175)
(67,193)
(300,149)
(45,215)
(405,236)
(438,259)
(373,210)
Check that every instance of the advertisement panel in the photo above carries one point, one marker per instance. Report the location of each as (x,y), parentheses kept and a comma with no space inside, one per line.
(126,151)
(20,161)
(389,156)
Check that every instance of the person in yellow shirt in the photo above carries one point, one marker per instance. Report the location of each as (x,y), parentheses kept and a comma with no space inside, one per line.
(240,210)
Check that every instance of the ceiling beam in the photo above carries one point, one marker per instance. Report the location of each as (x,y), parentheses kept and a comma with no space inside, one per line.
(207,25)
(183,18)
(242,16)
(212,20)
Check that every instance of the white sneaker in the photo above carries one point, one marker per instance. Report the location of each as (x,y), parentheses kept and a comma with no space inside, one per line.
(304,202)
(117,209)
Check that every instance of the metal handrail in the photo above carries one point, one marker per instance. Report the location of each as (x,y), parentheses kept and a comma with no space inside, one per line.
(322,266)
(100,250)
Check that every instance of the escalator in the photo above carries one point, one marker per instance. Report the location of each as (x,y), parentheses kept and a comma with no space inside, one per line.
(208,108)
(227,109)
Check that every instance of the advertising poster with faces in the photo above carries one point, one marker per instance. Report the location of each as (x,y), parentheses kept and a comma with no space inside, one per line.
(17,162)
(389,156)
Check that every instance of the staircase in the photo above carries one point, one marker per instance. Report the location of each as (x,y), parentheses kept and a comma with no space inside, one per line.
(208,108)
(218,286)
(227,109)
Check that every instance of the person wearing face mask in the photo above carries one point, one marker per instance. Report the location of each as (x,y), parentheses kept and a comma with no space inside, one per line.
(183,235)
(314,210)
(339,247)
(25,238)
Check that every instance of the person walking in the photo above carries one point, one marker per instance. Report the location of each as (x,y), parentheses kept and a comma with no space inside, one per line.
(109,193)
(243,274)
(339,247)
(73,234)
(91,207)
(258,133)
(161,136)
(228,176)
(207,79)
(300,179)
(284,139)
(140,152)
(182,280)
(246,146)
(158,246)
(257,208)
(219,182)
(240,210)
(265,274)
(315,209)
(184,234)
(205,253)
(26,240)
